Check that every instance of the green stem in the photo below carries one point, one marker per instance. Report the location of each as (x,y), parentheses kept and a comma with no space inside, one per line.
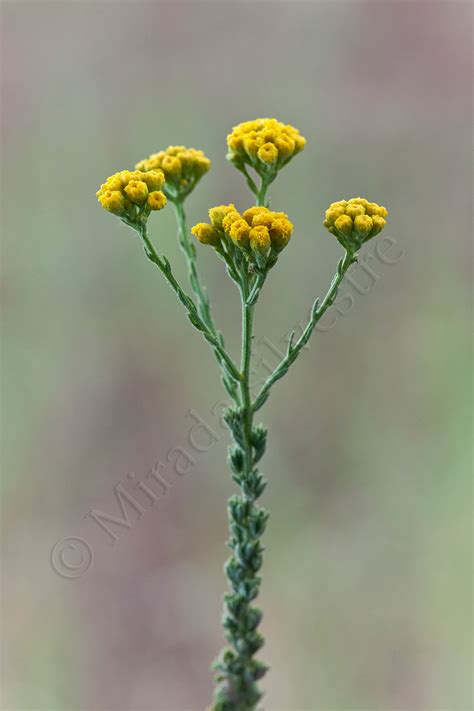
(247,336)
(203,306)
(189,250)
(262,193)
(231,370)
(317,312)
(238,671)
(250,182)
(256,288)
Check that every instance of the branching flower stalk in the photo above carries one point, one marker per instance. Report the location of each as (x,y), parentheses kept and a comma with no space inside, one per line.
(250,244)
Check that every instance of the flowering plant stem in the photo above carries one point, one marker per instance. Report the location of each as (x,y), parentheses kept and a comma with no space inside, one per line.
(250,244)
(238,672)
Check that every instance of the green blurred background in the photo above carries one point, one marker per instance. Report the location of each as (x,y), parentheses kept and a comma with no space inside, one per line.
(367,577)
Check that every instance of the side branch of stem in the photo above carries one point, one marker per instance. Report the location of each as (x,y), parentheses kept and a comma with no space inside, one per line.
(317,312)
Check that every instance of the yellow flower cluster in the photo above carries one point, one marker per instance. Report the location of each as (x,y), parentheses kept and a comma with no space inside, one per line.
(132,194)
(355,221)
(257,230)
(182,167)
(265,143)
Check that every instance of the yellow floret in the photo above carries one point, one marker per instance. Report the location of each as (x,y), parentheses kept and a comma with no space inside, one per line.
(260,239)
(280,232)
(358,201)
(137,191)
(129,175)
(174,150)
(239,232)
(112,200)
(344,225)
(333,213)
(235,142)
(373,209)
(300,142)
(201,164)
(252,143)
(363,225)
(113,183)
(171,166)
(205,233)
(155,179)
(263,218)
(217,214)
(285,144)
(379,224)
(353,210)
(268,153)
(231,217)
(252,211)
(156,200)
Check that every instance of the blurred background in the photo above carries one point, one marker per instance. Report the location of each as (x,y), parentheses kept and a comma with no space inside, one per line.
(367,576)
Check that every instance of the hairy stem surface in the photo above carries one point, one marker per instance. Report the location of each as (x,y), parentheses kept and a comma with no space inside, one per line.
(238,670)
(203,305)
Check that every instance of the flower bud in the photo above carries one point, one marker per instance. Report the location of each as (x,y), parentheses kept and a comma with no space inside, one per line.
(217,214)
(343,225)
(280,233)
(260,241)
(268,153)
(113,201)
(206,234)
(155,179)
(249,214)
(239,232)
(231,217)
(363,225)
(379,224)
(156,200)
(137,191)
(354,210)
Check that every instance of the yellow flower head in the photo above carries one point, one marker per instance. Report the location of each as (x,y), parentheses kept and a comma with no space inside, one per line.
(355,221)
(182,167)
(132,194)
(257,232)
(265,144)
